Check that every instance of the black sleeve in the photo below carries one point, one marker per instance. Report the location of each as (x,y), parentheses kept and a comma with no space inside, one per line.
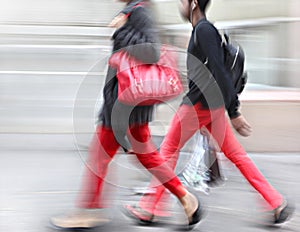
(139,30)
(209,41)
(233,109)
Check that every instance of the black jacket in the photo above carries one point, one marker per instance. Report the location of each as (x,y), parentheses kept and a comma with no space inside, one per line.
(138,30)
(209,82)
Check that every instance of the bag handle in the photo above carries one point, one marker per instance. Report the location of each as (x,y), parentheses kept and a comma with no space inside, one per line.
(140,4)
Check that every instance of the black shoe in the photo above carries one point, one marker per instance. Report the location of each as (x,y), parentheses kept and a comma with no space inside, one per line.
(283,213)
(196,217)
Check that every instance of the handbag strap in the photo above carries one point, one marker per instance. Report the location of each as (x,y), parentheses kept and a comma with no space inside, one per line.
(139,4)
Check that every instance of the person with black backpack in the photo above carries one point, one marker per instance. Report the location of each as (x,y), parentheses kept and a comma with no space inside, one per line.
(211,94)
(207,173)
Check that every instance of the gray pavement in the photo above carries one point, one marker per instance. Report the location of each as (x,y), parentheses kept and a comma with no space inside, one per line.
(37,183)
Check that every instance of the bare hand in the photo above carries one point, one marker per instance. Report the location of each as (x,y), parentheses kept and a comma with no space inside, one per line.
(118,21)
(212,143)
(241,126)
(204,131)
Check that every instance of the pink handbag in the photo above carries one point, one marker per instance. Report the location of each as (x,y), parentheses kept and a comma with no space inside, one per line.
(147,84)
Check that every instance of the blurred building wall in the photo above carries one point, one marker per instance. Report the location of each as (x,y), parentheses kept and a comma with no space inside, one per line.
(61,12)
(272,48)
(101,11)
(229,9)
(267,30)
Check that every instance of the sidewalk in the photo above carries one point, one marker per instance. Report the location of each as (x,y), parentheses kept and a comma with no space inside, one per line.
(37,184)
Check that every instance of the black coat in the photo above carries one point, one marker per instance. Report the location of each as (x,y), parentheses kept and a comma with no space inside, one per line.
(139,29)
(212,86)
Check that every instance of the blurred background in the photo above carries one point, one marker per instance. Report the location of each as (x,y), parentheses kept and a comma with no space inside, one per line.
(47,48)
(52,67)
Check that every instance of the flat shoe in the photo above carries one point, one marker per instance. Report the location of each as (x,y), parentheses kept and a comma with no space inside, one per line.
(195,219)
(80,219)
(138,214)
(283,213)
(197,216)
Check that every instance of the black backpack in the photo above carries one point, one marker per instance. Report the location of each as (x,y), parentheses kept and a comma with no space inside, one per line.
(234,60)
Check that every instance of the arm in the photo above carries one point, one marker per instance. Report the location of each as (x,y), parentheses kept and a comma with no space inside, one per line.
(210,45)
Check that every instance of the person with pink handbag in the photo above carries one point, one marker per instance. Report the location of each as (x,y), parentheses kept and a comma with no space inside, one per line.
(134,26)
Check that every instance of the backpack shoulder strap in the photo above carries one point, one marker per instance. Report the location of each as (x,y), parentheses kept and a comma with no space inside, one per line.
(195,38)
(195,34)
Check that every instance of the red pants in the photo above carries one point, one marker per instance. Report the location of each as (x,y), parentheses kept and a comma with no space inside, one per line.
(189,119)
(102,150)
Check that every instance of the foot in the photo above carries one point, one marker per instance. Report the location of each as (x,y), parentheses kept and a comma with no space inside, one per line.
(138,214)
(81,218)
(283,213)
(193,209)
(144,217)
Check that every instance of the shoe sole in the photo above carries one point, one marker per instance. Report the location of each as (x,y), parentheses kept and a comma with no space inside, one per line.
(53,226)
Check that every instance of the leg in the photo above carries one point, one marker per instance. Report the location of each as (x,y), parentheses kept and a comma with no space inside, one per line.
(102,149)
(183,125)
(237,155)
(101,152)
(139,137)
(147,154)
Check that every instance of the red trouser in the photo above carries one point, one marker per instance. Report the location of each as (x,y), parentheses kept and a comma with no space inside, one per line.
(102,150)
(189,119)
